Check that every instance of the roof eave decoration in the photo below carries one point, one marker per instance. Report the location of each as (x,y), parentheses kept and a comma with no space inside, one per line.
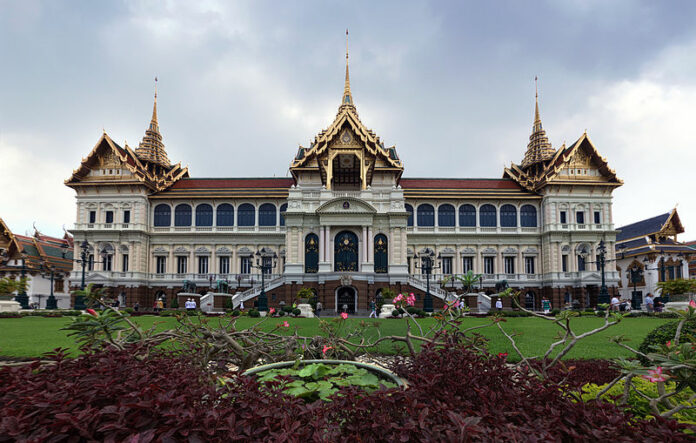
(8,241)
(672,225)
(152,179)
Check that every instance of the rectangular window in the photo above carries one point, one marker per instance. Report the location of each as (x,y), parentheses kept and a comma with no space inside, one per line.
(59,285)
(224,265)
(181,263)
(488,267)
(467,264)
(509,265)
(126,216)
(580,218)
(161,265)
(202,265)
(529,265)
(245,265)
(90,262)
(597,217)
(267,265)
(408,263)
(109,217)
(581,263)
(563,218)
(124,263)
(564,263)
(108,261)
(92,216)
(597,265)
(447,265)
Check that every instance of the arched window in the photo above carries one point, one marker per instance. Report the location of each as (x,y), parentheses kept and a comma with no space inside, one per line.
(182,215)
(409,209)
(283,208)
(381,255)
(467,215)
(528,216)
(204,215)
(426,215)
(311,258)
(246,215)
(487,216)
(163,215)
(445,215)
(267,215)
(508,216)
(225,215)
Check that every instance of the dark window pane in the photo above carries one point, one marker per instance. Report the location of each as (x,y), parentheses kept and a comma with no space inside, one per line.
(267,215)
(283,208)
(247,215)
(204,215)
(426,215)
(508,216)
(445,215)
(487,215)
(163,215)
(182,215)
(467,215)
(409,209)
(528,216)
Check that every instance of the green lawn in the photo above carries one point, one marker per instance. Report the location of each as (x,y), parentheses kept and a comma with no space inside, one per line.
(32,336)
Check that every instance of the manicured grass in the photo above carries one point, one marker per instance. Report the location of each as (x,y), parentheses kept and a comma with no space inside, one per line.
(32,336)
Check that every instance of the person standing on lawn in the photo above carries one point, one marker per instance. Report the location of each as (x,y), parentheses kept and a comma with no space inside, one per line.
(499,304)
(546,305)
(317,310)
(649,303)
(615,303)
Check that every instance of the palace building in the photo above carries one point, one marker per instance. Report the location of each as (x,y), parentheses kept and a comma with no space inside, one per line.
(348,223)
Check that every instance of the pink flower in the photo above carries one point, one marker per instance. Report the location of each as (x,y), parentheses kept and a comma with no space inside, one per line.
(326,348)
(344,315)
(655,375)
(91,312)
(271,311)
(456,304)
(502,354)
(669,343)
(286,324)
(692,304)
(398,298)
(411,300)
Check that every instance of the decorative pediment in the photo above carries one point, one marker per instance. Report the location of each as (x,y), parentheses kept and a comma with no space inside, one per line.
(509,251)
(489,251)
(346,205)
(223,250)
(468,251)
(409,252)
(530,250)
(245,252)
(202,250)
(181,250)
(449,251)
(160,250)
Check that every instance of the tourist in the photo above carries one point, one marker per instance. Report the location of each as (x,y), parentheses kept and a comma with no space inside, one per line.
(625,305)
(546,305)
(345,308)
(136,307)
(658,304)
(499,304)
(373,309)
(160,305)
(189,305)
(615,303)
(154,306)
(649,303)
(317,310)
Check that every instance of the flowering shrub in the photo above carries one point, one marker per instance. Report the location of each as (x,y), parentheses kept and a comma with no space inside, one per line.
(455,395)
(573,374)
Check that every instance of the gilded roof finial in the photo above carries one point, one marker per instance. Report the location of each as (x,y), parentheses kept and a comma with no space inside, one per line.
(151,148)
(347,96)
(539,148)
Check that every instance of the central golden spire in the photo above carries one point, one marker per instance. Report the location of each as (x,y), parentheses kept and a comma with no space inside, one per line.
(347,96)
(151,147)
(539,148)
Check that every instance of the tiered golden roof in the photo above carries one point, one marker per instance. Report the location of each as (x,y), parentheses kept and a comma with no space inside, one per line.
(151,148)
(539,148)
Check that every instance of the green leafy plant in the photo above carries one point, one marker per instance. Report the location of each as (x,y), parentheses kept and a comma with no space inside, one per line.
(254,313)
(677,287)
(9,285)
(319,381)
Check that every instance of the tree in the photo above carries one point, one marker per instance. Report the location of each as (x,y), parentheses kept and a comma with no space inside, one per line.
(9,285)
(677,287)
(469,280)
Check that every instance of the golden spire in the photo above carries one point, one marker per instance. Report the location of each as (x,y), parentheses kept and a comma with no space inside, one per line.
(347,96)
(151,148)
(539,148)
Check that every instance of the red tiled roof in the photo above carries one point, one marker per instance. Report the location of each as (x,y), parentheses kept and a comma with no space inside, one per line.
(458,183)
(226,183)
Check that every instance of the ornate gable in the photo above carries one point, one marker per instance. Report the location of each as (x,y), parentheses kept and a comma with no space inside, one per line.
(9,246)
(109,163)
(348,143)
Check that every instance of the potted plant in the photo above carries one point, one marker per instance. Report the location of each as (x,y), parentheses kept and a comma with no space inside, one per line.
(315,380)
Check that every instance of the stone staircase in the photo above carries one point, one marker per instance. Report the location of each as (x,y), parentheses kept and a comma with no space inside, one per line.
(250,293)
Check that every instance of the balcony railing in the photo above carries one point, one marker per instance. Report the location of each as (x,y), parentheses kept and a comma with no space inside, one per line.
(471,230)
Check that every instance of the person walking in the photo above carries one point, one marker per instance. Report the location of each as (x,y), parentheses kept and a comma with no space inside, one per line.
(615,304)
(649,303)
(373,308)
(546,305)
(317,310)
(136,307)
(160,305)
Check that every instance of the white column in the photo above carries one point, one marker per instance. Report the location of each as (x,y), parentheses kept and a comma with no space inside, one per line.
(371,245)
(322,243)
(364,244)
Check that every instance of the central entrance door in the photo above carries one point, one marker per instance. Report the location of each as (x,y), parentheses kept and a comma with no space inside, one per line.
(345,299)
(346,252)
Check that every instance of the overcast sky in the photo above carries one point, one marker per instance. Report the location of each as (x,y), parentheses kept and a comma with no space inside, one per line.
(451,84)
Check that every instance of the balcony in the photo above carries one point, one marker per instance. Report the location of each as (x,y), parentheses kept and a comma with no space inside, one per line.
(109,226)
(471,230)
(215,229)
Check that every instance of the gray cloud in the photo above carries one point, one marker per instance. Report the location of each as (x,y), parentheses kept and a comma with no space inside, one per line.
(449,83)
